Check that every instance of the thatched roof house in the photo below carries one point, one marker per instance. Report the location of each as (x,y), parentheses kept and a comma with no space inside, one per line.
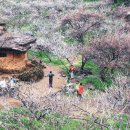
(13,49)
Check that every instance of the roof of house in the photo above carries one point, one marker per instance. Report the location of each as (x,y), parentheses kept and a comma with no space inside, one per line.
(14,41)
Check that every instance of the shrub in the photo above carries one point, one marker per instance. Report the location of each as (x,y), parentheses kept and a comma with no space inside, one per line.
(34,74)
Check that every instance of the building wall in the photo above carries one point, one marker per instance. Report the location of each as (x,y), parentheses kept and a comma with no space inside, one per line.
(13,61)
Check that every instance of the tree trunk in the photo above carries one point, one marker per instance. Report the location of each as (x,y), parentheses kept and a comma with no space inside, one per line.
(102,74)
(83,63)
(82,54)
(48,58)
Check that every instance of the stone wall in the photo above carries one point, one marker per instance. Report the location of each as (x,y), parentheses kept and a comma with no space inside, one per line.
(13,62)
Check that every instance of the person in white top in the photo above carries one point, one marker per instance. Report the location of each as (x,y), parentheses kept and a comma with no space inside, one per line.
(12,82)
(3,84)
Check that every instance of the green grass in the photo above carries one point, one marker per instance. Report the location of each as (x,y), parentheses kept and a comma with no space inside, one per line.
(46,57)
(72,125)
(25,121)
(55,61)
(117,124)
(70,40)
(95,81)
(21,119)
(93,67)
(96,73)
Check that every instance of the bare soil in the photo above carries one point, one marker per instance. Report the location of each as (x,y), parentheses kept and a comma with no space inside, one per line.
(38,89)
(9,102)
(41,88)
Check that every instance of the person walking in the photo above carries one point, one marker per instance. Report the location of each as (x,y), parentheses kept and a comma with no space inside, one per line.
(80,91)
(71,71)
(50,75)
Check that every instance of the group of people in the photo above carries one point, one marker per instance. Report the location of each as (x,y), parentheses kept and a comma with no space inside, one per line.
(79,87)
(7,86)
(7,83)
(71,75)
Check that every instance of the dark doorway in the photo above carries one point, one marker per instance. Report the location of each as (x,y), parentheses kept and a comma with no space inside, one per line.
(3,54)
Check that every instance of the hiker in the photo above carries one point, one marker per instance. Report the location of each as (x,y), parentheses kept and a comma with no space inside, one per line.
(3,83)
(40,62)
(12,82)
(64,88)
(71,71)
(80,91)
(68,79)
(3,87)
(50,75)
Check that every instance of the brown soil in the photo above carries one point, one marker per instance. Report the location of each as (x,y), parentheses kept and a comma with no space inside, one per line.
(40,88)
(9,102)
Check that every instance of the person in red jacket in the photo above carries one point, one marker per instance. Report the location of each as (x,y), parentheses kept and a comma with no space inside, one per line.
(80,91)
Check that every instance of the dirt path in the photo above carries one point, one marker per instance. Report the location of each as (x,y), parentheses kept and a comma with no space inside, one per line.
(39,89)
(58,81)
(36,91)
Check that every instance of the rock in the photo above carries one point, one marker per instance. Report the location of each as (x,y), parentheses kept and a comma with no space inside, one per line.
(74,80)
(90,86)
(63,75)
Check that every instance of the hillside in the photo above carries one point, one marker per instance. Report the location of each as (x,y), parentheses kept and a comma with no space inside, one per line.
(86,45)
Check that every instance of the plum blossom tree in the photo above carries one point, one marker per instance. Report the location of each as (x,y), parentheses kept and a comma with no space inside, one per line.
(109,52)
(61,50)
(78,24)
